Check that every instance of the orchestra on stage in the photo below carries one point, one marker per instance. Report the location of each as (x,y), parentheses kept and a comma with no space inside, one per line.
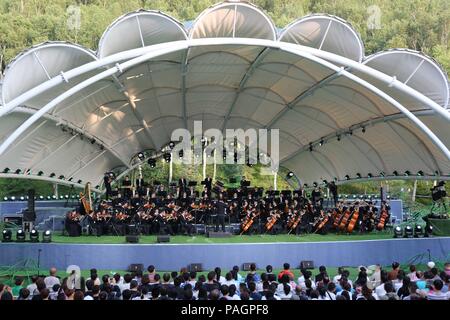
(151,209)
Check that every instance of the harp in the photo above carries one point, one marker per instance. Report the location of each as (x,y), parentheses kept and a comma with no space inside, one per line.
(86,199)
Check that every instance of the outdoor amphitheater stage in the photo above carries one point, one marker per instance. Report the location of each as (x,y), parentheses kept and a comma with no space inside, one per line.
(173,256)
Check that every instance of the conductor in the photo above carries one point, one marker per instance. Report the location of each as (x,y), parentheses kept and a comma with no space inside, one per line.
(220,210)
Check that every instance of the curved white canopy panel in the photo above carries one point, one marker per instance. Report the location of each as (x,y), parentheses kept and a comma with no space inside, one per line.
(235,20)
(325,32)
(414,69)
(139,29)
(226,83)
(39,64)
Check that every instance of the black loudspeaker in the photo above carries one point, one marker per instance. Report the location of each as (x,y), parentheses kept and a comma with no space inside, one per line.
(132,239)
(197,267)
(307,264)
(246,266)
(30,194)
(136,267)
(163,238)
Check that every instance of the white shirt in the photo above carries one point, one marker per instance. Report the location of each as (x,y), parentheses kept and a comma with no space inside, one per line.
(229,283)
(330,296)
(50,281)
(88,298)
(380,290)
(33,289)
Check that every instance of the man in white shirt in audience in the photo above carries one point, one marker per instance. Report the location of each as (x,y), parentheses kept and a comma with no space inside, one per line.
(51,279)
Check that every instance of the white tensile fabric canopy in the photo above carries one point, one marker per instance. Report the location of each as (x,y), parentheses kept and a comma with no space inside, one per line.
(69,114)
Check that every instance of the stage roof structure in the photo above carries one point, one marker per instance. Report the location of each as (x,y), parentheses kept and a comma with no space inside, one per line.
(69,114)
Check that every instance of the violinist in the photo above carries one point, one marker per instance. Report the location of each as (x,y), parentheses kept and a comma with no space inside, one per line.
(186,219)
(72,224)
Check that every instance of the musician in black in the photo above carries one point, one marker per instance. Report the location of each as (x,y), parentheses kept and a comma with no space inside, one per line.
(221,208)
(126,188)
(182,185)
(332,187)
(107,182)
(72,224)
(208,185)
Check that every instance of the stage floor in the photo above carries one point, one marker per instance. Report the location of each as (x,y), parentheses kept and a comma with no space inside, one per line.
(202,239)
(173,256)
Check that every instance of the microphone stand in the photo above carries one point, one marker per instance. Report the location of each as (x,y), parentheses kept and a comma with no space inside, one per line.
(39,261)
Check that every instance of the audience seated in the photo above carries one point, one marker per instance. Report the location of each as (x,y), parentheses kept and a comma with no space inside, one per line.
(372,283)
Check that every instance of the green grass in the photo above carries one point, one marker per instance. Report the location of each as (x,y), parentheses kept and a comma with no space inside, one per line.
(57,238)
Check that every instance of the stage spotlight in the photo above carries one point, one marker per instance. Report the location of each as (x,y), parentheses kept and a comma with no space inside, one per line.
(61,177)
(310,147)
(369,175)
(420,173)
(363,129)
(141,156)
(347,177)
(290,174)
(52,175)
(13,198)
(34,235)
(398,232)
(350,132)
(382,174)
(111,175)
(167,157)
(339,138)
(321,142)
(6,170)
(325,182)
(54,197)
(395,173)
(6,235)
(315,184)
(418,232)
(47,236)
(305,185)
(70,179)
(22,198)
(79,181)
(5,199)
(428,231)
(20,235)
(41,197)
(407,173)
(181,154)
(66,196)
(171,145)
(40,173)
(151,163)
(92,141)
(49,198)
(409,233)
(18,171)
(358,175)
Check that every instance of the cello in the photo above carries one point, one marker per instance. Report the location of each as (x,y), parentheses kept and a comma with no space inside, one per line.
(249,222)
(272,220)
(295,223)
(345,219)
(353,220)
(322,224)
(338,218)
(382,222)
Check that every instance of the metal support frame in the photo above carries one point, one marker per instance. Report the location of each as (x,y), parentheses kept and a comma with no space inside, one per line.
(147,53)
